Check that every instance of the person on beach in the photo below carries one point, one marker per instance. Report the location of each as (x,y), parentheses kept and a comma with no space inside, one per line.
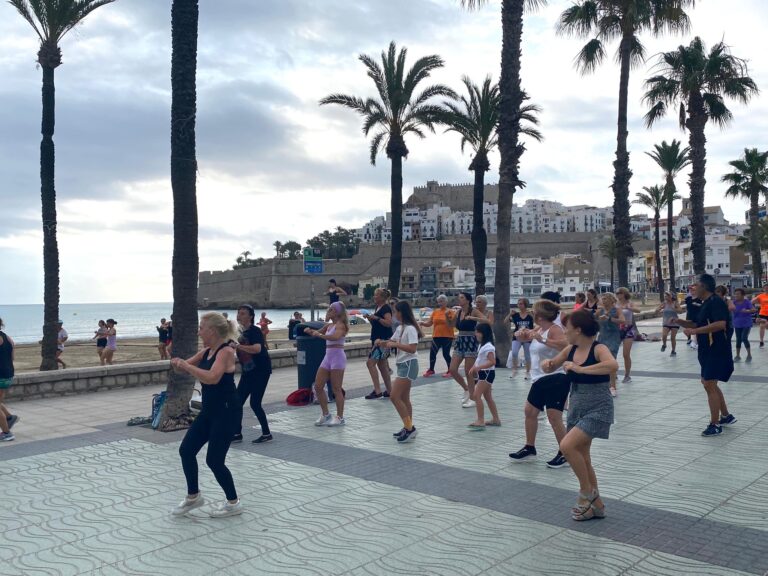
(610,319)
(61,337)
(214,367)
(334,291)
(404,341)
(714,351)
(593,303)
(669,309)
(109,351)
(549,391)
(7,420)
(722,292)
(589,365)
(442,335)
(264,323)
(333,365)
(381,330)
(464,348)
(101,340)
(742,323)
(256,369)
(627,330)
(162,339)
(692,306)
(579,300)
(484,370)
(520,320)
(761,301)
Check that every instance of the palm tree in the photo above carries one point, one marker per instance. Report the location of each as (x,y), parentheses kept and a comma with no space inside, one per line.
(475,118)
(655,198)
(278,248)
(609,249)
(51,21)
(699,82)
(184,18)
(745,242)
(511,99)
(397,112)
(671,160)
(606,20)
(749,180)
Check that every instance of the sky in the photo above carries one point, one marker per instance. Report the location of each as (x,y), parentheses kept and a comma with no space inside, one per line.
(273,165)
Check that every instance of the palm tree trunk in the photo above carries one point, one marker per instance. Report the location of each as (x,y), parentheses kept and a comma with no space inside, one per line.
(670,234)
(479,235)
(50,242)
(510,150)
(184,22)
(622,173)
(659,275)
(396,255)
(696,123)
(612,278)
(754,236)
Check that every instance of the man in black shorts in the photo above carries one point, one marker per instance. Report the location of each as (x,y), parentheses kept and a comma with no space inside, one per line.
(715,354)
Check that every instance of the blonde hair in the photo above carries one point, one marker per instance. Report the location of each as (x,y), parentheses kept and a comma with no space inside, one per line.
(384,292)
(481,298)
(223,327)
(546,309)
(341,311)
(610,296)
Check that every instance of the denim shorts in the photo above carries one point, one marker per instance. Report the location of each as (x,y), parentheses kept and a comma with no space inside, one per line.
(408,369)
(378,353)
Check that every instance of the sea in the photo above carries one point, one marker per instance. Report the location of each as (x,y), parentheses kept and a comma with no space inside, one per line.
(23,322)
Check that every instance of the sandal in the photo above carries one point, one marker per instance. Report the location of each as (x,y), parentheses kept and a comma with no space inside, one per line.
(492,423)
(581,509)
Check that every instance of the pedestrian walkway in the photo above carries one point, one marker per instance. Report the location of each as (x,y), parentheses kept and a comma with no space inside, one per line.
(352,501)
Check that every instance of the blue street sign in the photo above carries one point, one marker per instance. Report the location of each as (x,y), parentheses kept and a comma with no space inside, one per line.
(313,267)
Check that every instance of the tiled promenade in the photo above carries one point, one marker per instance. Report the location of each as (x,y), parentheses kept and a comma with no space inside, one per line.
(352,501)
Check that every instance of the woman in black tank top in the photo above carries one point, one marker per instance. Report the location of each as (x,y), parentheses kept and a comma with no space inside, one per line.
(590,414)
(214,367)
(464,348)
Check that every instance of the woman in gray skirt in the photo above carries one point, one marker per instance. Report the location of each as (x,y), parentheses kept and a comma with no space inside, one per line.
(590,415)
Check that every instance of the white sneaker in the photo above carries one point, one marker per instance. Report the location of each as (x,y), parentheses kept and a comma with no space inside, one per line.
(627,379)
(614,393)
(336,421)
(527,376)
(468,404)
(226,509)
(188,505)
(465,398)
(323,420)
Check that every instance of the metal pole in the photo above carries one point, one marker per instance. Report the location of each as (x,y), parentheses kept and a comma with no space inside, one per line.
(312,300)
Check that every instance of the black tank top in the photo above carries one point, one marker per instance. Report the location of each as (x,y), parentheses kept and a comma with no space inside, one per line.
(217,395)
(465,324)
(590,361)
(6,358)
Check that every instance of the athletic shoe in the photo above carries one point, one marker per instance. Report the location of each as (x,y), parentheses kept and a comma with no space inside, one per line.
(398,433)
(188,505)
(558,461)
(748,360)
(385,394)
(336,421)
(237,438)
(727,420)
(694,346)
(663,347)
(613,392)
(525,454)
(626,380)
(263,438)
(373,396)
(407,435)
(468,404)
(446,374)
(737,358)
(762,344)
(712,430)
(673,353)
(12,419)
(323,420)
(7,436)
(465,397)
(527,376)
(428,373)
(226,509)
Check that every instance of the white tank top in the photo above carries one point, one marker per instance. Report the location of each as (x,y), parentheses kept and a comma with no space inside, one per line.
(539,353)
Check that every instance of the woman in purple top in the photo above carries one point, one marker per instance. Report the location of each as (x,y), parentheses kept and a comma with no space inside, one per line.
(742,322)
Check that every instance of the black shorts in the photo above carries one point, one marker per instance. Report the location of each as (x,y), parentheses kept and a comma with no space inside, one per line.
(101,343)
(487,375)
(762,316)
(550,391)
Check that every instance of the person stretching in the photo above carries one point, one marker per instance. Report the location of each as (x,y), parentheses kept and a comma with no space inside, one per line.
(484,370)
(333,365)
(214,367)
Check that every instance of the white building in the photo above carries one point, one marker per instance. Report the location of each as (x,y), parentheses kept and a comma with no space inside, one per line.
(528,277)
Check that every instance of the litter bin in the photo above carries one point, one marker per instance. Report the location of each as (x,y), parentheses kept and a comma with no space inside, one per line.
(309,353)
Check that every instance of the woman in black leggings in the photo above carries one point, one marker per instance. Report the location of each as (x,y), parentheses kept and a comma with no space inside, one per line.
(256,369)
(214,367)
(442,334)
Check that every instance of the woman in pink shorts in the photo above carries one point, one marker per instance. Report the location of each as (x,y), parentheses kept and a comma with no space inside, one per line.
(333,365)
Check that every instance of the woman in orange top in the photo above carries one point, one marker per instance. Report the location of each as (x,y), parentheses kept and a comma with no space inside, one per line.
(442,334)
(761,300)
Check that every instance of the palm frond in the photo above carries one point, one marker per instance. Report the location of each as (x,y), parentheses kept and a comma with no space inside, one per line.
(376,142)
(590,56)
(656,113)
(351,102)
(579,20)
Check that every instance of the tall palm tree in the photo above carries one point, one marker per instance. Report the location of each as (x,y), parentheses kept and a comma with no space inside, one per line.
(511,99)
(51,20)
(749,180)
(184,19)
(699,82)
(745,242)
(671,160)
(397,112)
(608,247)
(626,20)
(475,117)
(655,198)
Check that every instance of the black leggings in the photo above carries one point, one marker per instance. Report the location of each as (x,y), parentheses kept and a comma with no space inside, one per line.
(742,337)
(440,343)
(215,428)
(254,383)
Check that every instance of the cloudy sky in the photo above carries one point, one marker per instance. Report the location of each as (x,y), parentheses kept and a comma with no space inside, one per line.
(273,165)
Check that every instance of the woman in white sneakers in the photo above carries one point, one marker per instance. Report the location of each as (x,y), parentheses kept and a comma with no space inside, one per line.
(485,372)
(333,365)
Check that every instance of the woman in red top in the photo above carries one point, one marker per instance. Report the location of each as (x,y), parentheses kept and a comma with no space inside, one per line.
(264,323)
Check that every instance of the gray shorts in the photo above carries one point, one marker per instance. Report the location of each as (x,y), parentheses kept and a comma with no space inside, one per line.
(408,369)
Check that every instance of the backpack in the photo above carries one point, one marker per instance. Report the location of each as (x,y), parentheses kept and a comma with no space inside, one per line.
(158,400)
